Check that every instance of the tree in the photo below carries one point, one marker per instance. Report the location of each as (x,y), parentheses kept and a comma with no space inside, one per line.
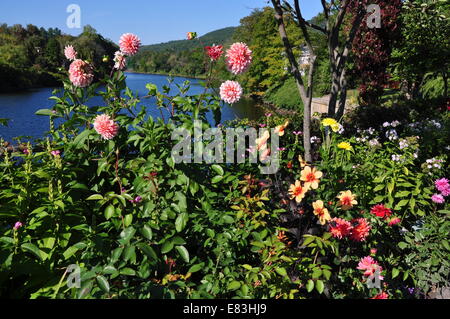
(425,45)
(306,92)
(372,47)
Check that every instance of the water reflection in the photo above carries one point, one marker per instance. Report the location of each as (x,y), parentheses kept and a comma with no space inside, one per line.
(20,107)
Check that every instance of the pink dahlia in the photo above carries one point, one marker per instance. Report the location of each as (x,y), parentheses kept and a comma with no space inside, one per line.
(340,228)
(438,198)
(120,61)
(441,184)
(381,295)
(214,52)
(129,44)
(70,53)
(370,266)
(106,127)
(238,58)
(81,73)
(230,92)
(360,230)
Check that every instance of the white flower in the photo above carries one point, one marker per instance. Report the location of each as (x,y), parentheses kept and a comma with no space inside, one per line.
(386,124)
(395,123)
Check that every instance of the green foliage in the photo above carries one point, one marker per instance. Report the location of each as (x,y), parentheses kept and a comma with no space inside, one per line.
(183,57)
(32,57)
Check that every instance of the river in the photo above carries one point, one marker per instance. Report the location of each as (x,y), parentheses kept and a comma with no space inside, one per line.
(20,107)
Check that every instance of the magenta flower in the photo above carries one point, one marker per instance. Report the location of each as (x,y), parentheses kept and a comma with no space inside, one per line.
(106,127)
(55,153)
(238,58)
(26,151)
(129,44)
(438,198)
(81,73)
(70,53)
(17,225)
(230,92)
(262,125)
(268,114)
(297,133)
(441,184)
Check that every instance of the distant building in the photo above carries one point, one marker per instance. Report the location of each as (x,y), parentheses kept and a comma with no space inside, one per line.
(304,60)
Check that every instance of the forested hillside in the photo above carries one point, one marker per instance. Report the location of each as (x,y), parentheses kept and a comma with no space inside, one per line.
(182,57)
(33,57)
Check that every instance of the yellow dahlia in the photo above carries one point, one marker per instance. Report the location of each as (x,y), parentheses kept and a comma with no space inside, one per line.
(311,175)
(347,200)
(321,212)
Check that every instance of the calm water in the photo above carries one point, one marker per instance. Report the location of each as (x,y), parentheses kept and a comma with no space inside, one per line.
(20,108)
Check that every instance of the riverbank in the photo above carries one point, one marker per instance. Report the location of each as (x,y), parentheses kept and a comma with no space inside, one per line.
(203,77)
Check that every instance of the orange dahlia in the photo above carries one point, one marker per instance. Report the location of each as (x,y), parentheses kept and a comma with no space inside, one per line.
(298,191)
(311,175)
(347,200)
(281,128)
(321,212)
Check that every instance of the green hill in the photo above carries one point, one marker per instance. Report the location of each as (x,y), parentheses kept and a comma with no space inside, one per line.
(214,37)
(182,57)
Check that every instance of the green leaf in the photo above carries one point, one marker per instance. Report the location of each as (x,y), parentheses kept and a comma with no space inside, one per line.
(127,272)
(44,112)
(147,232)
(34,250)
(248,267)
(7,240)
(80,139)
(228,219)
(216,179)
(308,240)
(103,283)
(317,272)
(126,235)
(395,273)
(310,285)
(402,245)
(281,271)
(109,212)
(181,222)
(95,197)
(218,169)
(446,244)
(402,194)
(128,220)
(196,268)
(167,246)
(183,253)
(234,285)
(73,249)
(148,251)
(320,286)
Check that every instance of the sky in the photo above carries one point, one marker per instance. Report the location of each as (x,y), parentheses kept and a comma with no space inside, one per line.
(154,21)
